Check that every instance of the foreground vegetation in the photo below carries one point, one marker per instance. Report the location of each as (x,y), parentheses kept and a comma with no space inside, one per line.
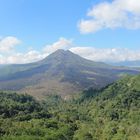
(112,113)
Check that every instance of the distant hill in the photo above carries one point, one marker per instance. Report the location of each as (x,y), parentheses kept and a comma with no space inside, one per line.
(127,63)
(62,72)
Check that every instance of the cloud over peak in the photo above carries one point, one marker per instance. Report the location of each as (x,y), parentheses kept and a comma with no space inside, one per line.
(11,56)
(62,43)
(110,15)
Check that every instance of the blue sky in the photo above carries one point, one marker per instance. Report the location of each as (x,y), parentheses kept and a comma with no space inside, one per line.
(39,23)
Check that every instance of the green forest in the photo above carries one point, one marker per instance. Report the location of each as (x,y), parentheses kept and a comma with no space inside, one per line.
(110,113)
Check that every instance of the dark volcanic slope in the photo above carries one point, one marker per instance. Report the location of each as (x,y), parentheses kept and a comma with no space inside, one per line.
(61,72)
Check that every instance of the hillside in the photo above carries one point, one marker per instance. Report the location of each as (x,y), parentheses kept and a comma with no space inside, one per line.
(62,72)
(114,111)
(111,113)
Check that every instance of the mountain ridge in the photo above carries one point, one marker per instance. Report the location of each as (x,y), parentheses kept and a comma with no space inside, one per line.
(62,72)
(133,63)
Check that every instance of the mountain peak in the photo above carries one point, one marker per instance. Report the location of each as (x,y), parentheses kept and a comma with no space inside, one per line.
(62,52)
(60,55)
(68,57)
(62,72)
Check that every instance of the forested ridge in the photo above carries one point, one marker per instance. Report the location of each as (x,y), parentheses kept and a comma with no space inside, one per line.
(111,113)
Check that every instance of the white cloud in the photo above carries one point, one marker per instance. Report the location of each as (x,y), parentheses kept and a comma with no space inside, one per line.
(20,58)
(7,46)
(108,54)
(62,43)
(115,14)
(8,43)
(92,53)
